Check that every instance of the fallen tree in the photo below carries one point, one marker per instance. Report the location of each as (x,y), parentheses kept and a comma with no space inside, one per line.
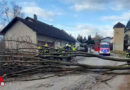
(73,64)
(56,66)
(17,65)
(71,54)
(85,54)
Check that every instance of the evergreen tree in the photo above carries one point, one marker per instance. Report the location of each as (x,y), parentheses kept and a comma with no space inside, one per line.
(80,38)
(90,40)
(84,40)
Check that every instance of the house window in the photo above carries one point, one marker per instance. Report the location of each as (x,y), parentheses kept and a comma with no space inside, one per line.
(42,43)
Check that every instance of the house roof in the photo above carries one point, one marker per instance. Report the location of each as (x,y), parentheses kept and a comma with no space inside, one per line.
(119,25)
(41,29)
(107,38)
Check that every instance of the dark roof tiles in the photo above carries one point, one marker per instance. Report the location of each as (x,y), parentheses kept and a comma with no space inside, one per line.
(107,38)
(41,29)
(119,25)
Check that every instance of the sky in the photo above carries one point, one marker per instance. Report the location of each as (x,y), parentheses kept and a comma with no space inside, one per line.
(84,17)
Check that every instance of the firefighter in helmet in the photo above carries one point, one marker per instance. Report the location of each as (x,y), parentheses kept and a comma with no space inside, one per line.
(74,49)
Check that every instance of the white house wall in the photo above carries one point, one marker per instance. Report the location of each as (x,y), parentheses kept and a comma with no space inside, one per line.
(19,31)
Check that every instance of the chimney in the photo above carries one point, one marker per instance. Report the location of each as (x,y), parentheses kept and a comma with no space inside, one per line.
(35,17)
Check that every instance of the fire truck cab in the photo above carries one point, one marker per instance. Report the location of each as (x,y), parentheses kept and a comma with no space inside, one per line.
(104,49)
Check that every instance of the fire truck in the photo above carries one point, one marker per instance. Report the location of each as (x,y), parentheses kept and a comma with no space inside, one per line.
(102,48)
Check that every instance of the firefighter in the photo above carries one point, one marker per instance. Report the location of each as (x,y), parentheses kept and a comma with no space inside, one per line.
(46,45)
(74,49)
(69,45)
(39,49)
(45,49)
(66,46)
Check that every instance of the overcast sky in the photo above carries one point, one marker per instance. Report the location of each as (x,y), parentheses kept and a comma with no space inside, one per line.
(85,17)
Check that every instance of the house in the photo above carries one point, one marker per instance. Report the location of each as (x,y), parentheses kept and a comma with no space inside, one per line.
(107,39)
(127,35)
(36,32)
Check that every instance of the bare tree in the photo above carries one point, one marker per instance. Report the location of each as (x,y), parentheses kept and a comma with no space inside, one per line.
(16,10)
(4,12)
(9,10)
(97,38)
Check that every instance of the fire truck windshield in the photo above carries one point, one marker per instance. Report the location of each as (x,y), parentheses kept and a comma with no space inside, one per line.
(104,46)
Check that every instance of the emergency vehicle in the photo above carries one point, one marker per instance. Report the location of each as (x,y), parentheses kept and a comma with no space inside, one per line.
(104,49)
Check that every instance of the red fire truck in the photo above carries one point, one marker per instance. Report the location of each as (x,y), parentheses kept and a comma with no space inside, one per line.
(102,48)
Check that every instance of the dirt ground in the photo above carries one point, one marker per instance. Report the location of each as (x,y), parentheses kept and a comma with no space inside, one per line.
(126,84)
(87,81)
